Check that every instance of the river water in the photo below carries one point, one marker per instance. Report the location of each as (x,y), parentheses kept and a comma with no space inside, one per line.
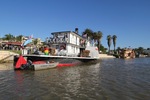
(110,79)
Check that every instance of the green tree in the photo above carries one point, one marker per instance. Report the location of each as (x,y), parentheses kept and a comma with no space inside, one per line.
(109,41)
(118,48)
(9,37)
(19,38)
(114,41)
(103,49)
(99,37)
(94,37)
(148,48)
(140,50)
(89,33)
(36,42)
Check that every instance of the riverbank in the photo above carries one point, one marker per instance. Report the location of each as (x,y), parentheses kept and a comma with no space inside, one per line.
(6,56)
(105,56)
(6,66)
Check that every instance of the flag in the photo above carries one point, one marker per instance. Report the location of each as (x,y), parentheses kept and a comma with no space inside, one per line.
(84,36)
(29,40)
(31,36)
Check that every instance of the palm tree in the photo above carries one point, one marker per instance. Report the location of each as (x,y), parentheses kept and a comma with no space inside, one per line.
(114,41)
(94,37)
(89,33)
(99,37)
(109,41)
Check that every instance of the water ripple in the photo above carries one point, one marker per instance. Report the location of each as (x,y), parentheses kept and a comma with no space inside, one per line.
(111,79)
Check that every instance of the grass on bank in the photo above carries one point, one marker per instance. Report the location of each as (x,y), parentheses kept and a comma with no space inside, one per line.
(16,51)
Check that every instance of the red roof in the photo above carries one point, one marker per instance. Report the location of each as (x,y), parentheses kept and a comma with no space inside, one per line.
(13,43)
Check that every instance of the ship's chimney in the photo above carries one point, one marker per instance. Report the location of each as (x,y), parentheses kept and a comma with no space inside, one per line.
(76,30)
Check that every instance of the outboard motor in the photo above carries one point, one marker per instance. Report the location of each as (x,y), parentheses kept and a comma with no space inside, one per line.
(27,66)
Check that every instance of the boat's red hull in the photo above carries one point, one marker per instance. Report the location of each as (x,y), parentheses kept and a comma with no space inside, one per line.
(62,61)
(60,64)
(67,64)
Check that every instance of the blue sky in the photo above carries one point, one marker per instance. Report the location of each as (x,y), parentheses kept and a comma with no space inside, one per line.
(128,19)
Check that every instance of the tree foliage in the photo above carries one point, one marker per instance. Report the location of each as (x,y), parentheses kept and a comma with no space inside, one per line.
(109,41)
(9,37)
(35,41)
(94,36)
(19,38)
(114,37)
